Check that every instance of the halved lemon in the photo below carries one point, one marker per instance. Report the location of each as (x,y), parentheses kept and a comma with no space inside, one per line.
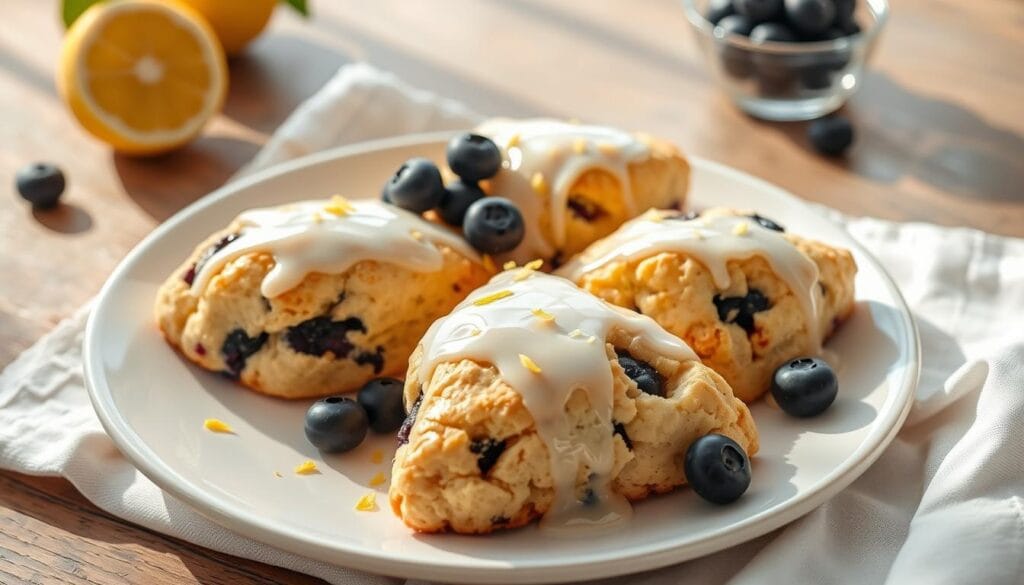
(142,75)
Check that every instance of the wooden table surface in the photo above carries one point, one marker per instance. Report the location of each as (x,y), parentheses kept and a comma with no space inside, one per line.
(940,138)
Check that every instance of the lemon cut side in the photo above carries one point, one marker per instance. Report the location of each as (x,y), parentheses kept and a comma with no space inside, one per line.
(143,76)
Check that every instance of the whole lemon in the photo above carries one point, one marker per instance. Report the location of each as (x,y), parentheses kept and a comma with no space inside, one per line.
(236,22)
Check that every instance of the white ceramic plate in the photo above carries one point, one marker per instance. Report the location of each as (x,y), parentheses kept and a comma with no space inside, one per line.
(153,405)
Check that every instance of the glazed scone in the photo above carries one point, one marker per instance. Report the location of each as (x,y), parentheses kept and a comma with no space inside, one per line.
(746,296)
(314,298)
(576,183)
(488,443)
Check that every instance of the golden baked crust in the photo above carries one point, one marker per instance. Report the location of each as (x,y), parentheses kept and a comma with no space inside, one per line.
(678,292)
(332,333)
(474,462)
(596,205)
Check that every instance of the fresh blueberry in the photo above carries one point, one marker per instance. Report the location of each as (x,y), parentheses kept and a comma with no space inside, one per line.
(844,12)
(735,24)
(336,424)
(473,157)
(816,77)
(384,193)
(382,399)
(717,10)
(458,196)
(810,17)
(831,136)
(416,186)
(850,28)
(758,10)
(773,32)
(493,225)
(805,386)
(41,184)
(717,469)
(646,377)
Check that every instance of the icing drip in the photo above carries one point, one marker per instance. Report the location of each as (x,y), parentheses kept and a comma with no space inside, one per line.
(542,160)
(713,241)
(330,237)
(546,337)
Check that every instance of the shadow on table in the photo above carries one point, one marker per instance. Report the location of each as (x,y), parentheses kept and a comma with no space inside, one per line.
(940,143)
(66,218)
(164,184)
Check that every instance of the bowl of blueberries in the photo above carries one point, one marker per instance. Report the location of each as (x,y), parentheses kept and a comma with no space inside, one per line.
(788,59)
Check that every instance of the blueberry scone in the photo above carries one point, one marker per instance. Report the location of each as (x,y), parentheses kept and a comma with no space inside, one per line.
(535,399)
(314,298)
(576,183)
(738,289)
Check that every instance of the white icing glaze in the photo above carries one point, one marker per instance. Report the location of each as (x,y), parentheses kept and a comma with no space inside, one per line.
(570,351)
(713,241)
(308,237)
(559,152)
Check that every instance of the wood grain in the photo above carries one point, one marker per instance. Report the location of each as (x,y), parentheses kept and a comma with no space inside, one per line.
(940,124)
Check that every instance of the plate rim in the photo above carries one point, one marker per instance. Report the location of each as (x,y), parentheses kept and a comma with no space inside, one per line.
(580,567)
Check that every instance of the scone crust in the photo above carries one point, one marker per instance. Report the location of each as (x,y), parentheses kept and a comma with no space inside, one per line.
(438,483)
(377,311)
(678,292)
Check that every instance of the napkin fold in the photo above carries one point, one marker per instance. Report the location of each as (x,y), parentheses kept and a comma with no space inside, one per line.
(943,504)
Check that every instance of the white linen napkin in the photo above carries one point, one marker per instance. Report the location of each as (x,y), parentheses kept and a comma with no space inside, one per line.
(943,505)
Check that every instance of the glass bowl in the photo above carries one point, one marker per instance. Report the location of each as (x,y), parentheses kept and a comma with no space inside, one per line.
(789,81)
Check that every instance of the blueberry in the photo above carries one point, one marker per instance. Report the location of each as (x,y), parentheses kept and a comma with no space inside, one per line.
(736,24)
(336,424)
(831,136)
(190,274)
(384,193)
(457,198)
(473,157)
(850,28)
(816,77)
(382,399)
(717,469)
(717,10)
(487,451)
(772,32)
(410,419)
(804,386)
(844,11)
(41,184)
(741,310)
(585,209)
(767,224)
(416,186)
(493,225)
(320,335)
(810,17)
(237,348)
(758,10)
(646,377)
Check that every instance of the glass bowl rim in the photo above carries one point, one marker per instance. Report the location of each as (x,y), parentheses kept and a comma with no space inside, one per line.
(879,9)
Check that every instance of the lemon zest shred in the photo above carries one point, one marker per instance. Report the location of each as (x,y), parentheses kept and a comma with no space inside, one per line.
(307,467)
(367,503)
(509,265)
(378,479)
(488,263)
(488,299)
(218,426)
(529,364)
(543,315)
(539,184)
(741,229)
